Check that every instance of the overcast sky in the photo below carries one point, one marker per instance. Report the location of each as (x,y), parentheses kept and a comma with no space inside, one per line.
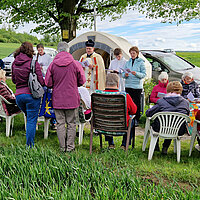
(149,33)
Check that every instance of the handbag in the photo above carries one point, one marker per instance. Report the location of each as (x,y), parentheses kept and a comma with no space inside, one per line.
(35,87)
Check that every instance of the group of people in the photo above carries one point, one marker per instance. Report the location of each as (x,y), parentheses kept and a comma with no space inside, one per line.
(173,97)
(67,76)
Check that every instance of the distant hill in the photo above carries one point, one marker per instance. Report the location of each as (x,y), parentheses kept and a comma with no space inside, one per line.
(10,36)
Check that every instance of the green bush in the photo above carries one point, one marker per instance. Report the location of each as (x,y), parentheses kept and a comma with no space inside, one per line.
(148,87)
(3,40)
(14,40)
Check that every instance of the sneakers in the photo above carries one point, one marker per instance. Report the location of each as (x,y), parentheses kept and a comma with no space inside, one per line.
(197,147)
(111,146)
(164,150)
(123,147)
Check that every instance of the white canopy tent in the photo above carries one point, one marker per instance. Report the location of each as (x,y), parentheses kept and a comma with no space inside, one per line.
(104,44)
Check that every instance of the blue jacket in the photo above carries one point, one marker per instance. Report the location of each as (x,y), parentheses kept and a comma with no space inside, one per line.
(169,104)
(135,81)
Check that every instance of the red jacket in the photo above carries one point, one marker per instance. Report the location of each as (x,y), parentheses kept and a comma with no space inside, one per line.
(162,88)
(131,107)
(7,94)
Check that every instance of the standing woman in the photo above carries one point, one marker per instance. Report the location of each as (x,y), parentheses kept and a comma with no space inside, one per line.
(20,75)
(43,59)
(134,72)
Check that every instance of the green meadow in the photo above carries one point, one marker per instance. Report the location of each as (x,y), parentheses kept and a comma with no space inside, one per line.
(45,173)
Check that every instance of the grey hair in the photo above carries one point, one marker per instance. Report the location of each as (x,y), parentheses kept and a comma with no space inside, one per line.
(162,76)
(63,46)
(2,74)
(189,74)
(112,79)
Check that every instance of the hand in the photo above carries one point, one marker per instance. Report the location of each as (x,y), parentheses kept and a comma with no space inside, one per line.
(90,66)
(126,75)
(133,72)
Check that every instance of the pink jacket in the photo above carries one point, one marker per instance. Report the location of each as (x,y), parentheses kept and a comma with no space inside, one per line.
(65,75)
(162,88)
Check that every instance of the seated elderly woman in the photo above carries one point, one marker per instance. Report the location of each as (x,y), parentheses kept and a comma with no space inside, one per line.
(160,89)
(112,85)
(189,85)
(7,93)
(172,102)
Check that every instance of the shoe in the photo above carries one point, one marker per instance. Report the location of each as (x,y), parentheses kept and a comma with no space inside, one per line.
(112,146)
(197,147)
(123,147)
(164,150)
(70,151)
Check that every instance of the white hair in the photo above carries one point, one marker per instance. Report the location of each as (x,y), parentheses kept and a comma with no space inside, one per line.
(189,74)
(163,75)
(63,46)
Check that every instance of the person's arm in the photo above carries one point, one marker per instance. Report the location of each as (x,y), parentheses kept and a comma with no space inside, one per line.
(132,108)
(124,74)
(142,72)
(153,96)
(151,111)
(39,73)
(4,91)
(80,74)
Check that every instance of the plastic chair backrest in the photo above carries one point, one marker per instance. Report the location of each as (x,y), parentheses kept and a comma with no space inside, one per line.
(170,123)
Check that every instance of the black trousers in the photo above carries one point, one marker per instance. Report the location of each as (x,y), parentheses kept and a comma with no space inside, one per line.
(136,97)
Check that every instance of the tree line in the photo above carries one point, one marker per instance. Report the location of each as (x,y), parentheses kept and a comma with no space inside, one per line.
(10,36)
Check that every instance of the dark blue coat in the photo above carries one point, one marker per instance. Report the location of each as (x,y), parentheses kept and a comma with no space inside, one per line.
(169,104)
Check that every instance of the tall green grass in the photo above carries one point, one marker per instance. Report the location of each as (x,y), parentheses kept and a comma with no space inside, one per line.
(41,173)
(45,173)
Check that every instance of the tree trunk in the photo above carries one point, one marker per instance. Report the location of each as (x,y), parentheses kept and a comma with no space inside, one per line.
(68,29)
(68,24)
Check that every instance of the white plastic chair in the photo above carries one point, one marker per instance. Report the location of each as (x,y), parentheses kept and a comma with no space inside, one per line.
(46,124)
(9,119)
(82,124)
(194,135)
(170,123)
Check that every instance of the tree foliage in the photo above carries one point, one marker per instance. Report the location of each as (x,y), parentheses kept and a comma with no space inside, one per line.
(170,10)
(54,16)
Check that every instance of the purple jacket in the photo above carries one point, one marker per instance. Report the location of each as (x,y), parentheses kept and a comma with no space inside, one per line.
(65,75)
(20,73)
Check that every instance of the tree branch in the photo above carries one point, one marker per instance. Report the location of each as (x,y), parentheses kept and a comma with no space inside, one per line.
(53,16)
(91,10)
(78,11)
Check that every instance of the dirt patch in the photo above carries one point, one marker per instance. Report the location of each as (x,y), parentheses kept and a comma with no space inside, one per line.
(166,182)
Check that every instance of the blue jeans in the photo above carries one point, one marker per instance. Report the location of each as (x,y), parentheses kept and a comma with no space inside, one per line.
(30,107)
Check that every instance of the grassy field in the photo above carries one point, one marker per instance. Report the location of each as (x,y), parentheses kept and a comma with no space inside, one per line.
(45,173)
(7,48)
(193,57)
